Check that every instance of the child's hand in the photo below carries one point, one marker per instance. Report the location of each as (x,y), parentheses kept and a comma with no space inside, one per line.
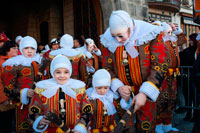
(95,48)
(139,100)
(30,93)
(173,26)
(125,92)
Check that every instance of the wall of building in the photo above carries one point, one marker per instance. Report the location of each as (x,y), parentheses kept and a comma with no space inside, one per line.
(138,9)
(68,16)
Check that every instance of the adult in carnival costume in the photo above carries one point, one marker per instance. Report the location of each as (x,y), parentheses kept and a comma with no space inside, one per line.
(137,59)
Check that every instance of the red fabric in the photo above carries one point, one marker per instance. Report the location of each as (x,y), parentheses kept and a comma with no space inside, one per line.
(3,37)
(2,94)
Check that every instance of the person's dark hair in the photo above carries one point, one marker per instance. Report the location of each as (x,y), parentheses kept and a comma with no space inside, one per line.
(6,47)
(193,38)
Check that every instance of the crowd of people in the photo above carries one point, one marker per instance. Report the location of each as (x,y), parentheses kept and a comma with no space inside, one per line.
(61,87)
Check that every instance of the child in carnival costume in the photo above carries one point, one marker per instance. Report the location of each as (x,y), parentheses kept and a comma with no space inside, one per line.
(104,102)
(63,96)
(20,73)
(75,56)
(91,55)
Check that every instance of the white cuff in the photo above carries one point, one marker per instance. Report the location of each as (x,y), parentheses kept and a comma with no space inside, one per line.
(150,90)
(80,128)
(35,124)
(98,53)
(178,31)
(125,105)
(90,70)
(24,99)
(115,84)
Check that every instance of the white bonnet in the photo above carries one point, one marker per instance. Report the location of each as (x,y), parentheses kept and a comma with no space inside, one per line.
(18,38)
(101,78)
(90,41)
(66,41)
(157,23)
(27,41)
(60,61)
(166,27)
(120,20)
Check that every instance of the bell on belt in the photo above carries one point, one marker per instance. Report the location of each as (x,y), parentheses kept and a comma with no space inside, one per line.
(124,62)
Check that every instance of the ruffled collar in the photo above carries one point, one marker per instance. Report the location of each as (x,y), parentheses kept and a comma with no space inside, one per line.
(172,38)
(85,52)
(106,99)
(22,60)
(51,87)
(66,52)
(138,37)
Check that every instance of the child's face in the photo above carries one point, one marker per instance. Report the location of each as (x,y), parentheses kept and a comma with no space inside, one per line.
(90,48)
(55,46)
(101,90)
(61,75)
(28,52)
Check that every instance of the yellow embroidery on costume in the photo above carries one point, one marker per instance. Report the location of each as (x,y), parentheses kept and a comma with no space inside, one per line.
(26,71)
(153,57)
(146,125)
(146,49)
(79,91)
(9,68)
(157,68)
(39,90)
(109,60)
(164,67)
(10,86)
(87,108)
(78,116)
(34,109)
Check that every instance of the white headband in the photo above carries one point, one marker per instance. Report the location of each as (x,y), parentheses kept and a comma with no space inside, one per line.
(27,41)
(101,78)
(60,61)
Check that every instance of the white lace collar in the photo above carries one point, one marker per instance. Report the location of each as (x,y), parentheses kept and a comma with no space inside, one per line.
(143,33)
(106,99)
(66,52)
(22,60)
(51,87)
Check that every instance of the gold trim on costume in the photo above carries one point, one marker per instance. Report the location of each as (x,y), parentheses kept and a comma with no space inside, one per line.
(152,84)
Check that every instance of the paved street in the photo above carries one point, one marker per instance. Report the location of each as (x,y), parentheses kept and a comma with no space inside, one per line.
(183,126)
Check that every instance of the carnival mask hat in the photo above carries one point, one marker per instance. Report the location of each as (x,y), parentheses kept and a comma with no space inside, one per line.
(101,78)
(120,21)
(27,41)
(3,37)
(60,61)
(90,41)
(157,23)
(18,38)
(66,41)
(166,27)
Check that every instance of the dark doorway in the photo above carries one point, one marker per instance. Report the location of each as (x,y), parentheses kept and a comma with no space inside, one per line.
(44,33)
(88,19)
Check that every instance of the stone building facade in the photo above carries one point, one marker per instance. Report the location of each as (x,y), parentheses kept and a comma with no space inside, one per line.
(46,19)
